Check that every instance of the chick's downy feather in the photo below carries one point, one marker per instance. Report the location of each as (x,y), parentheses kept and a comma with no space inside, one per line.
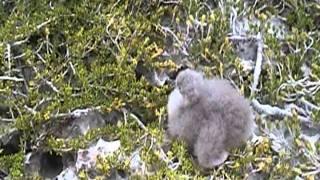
(209,115)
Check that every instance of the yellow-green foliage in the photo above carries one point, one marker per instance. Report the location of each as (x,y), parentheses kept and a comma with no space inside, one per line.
(89,50)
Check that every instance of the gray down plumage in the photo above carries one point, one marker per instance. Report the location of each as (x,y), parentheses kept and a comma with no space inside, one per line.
(209,115)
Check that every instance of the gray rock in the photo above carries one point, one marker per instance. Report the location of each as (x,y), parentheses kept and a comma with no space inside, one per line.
(86,160)
(45,164)
(10,142)
(79,122)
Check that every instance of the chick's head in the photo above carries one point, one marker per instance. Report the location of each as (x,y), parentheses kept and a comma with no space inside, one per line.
(188,83)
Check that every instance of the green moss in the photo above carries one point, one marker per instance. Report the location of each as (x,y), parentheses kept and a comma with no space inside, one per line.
(13,164)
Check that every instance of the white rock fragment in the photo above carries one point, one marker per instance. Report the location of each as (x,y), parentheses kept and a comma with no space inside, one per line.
(136,162)
(80,112)
(276,27)
(27,158)
(160,78)
(87,157)
(67,174)
(247,65)
(242,26)
(306,70)
(279,142)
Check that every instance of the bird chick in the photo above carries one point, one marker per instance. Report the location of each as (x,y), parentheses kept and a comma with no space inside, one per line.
(209,115)
(182,98)
(188,83)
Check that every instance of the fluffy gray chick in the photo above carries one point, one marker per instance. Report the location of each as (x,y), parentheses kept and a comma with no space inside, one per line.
(209,115)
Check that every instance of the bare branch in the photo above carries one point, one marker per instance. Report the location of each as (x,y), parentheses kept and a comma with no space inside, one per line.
(17,43)
(19,56)
(32,111)
(7,120)
(8,78)
(170,2)
(243,38)
(44,23)
(275,111)
(315,172)
(138,121)
(8,56)
(309,104)
(257,69)
(49,83)
(75,113)
(167,29)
